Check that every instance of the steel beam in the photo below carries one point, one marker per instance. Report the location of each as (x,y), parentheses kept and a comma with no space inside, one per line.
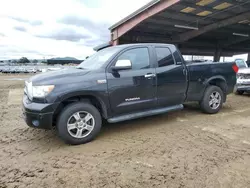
(128,25)
(229,21)
(203,52)
(217,55)
(205,8)
(236,40)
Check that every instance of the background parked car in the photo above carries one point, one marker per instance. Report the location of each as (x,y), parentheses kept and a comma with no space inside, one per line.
(17,70)
(22,70)
(32,70)
(241,63)
(12,70)
(4,70)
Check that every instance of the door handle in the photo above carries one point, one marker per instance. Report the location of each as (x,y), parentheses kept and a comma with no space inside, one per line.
(150,75)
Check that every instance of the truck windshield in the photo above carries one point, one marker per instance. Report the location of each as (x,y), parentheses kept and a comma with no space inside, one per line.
(98,59)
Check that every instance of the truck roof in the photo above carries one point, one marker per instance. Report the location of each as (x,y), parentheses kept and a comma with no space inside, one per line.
(106,45)
(143,44)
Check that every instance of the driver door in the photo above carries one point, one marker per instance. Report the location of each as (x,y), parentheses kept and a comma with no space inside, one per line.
(133,89)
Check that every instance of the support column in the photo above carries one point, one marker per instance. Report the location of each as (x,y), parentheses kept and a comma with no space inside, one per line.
(217,55)
(115,42)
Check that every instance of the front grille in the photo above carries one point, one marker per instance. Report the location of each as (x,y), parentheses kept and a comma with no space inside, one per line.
(243,76)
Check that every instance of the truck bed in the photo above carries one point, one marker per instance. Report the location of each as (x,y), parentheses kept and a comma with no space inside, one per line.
(200,73)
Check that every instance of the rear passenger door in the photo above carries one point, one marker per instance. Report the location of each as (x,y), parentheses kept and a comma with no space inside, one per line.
(171,77)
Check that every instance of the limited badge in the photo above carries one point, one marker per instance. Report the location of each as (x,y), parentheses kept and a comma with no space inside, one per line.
(101,81)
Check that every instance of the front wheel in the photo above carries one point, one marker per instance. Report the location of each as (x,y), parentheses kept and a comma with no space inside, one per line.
(212,100)
(79,123)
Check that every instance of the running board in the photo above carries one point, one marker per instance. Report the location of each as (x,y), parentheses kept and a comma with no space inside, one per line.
(145,113)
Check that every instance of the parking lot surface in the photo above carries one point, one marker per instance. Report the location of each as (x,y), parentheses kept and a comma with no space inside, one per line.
(179,149)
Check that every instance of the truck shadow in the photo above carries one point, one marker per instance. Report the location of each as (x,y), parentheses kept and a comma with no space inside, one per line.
(245,95)
(151,121)
(47,140)
(171,120)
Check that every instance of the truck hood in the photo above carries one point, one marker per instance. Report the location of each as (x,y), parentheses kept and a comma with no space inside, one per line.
(244,71)
(65,76)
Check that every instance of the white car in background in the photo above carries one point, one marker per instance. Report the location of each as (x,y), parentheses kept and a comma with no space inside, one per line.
(54,69)
(32,70)
(243,77)
(241,63)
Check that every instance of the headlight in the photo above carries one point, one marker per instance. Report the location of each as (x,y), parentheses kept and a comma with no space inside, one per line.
(37,91)
(41,91)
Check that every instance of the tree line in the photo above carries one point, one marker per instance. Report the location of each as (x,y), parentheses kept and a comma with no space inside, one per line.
(24,60)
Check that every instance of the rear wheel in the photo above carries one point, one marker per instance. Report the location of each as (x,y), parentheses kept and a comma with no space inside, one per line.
(239,92)
(79,123)
(212,100)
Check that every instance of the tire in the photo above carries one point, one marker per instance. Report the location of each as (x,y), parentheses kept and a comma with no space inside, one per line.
(205,103)
(240,92)
(66,116)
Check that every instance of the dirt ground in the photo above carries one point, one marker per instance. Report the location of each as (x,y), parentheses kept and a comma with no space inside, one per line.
(176,150)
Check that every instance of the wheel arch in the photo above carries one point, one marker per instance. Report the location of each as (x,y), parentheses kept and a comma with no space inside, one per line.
(84,97)
(220,82)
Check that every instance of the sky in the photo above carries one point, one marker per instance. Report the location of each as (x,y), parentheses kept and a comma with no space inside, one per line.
(40,29)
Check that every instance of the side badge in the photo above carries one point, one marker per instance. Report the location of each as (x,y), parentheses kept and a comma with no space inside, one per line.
(101,81)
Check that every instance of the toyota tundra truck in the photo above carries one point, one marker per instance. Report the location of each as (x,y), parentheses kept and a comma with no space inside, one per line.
(121,83)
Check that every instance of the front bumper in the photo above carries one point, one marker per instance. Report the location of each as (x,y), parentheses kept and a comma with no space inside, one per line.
(243,85)
(38,115)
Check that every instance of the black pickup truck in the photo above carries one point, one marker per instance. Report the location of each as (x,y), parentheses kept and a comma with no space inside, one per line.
(122,83)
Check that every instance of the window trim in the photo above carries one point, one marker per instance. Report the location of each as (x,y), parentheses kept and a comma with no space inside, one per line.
(114,60)
(180,55)
(157,64)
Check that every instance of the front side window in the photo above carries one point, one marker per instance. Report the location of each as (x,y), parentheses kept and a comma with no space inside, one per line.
(138,57)
(98,59)
(164,57)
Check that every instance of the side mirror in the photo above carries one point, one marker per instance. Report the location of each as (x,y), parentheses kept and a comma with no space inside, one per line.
(122,65)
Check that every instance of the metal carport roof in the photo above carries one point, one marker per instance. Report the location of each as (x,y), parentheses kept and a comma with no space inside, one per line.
(203,27)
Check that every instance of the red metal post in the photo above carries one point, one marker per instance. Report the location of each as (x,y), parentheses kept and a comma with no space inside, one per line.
(125,27)
(115,42)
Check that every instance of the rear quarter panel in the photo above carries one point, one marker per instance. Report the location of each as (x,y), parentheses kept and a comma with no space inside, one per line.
(201,73)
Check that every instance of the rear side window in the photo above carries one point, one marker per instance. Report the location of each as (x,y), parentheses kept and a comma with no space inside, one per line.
(139,58)
(177,57)
(164,57)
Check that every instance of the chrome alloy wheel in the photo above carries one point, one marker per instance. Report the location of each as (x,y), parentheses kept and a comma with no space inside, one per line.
(80,124)
(215,100)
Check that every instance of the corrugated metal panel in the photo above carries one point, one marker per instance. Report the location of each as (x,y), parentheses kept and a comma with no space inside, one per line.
(188,10)
(205,2)
(204,13)
(244,22)
(223,6)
